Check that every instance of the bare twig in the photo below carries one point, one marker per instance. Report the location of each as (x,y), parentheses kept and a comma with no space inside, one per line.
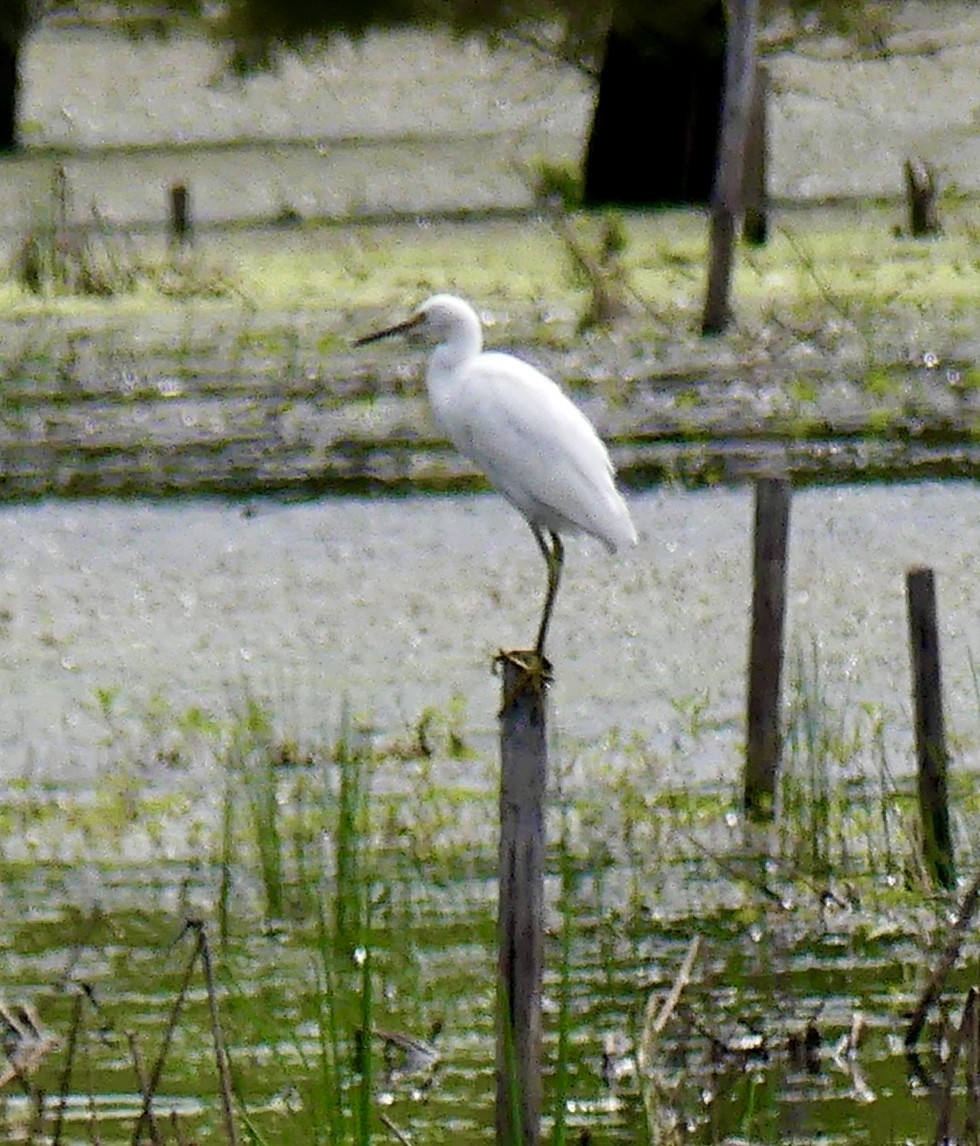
(141,1078)
(402,1138)
(965,1031)
(808,262)
(221,1056)
(167,1038)
(951,952)
(603,271)
(551,50)
(73,1029)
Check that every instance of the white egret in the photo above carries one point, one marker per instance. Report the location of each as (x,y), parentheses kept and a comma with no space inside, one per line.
(533,443)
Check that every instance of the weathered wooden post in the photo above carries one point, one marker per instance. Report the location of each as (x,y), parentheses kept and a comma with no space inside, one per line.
(520,926)
(930,733)
(755,178)
(921,189)
(764,741)
(181,227)
(741,52)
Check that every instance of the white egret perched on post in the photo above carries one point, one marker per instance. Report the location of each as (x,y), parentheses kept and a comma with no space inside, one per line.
(533,443)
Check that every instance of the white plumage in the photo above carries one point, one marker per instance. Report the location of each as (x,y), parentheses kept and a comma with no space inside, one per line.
(521,429)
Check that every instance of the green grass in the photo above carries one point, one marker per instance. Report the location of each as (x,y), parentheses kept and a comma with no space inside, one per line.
(846,260)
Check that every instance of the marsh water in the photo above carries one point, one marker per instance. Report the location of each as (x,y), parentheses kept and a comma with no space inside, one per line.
(129,626)
(396,606)
(762,980)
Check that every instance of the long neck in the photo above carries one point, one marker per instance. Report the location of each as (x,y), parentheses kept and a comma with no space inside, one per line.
(450,356)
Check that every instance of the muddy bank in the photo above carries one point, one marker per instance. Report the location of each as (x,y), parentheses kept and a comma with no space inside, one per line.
(160,412)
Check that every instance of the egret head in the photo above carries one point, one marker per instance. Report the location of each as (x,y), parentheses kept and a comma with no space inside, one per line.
(440,319)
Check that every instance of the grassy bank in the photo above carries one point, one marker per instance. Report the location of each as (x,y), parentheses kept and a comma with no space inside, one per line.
(850,263)
(231,370)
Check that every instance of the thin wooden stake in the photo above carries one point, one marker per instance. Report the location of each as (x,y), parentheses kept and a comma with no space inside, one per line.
(520,926)
(930,733)
(921,191)
(764,742)
(741,54)
(181,228)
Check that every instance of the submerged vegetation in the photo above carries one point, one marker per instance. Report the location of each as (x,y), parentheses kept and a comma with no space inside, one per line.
(341,897)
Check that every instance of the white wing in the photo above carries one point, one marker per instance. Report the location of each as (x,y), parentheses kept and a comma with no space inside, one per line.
(535,445)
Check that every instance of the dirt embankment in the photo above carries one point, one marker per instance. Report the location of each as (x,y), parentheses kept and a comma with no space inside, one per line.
(94,414)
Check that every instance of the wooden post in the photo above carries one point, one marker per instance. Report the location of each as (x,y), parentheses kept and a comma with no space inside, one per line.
(60,271)
(921,189)
(741,53)
(60,199)
(520,926)
(755,178)
(764,739)
(181,227)
(930,734)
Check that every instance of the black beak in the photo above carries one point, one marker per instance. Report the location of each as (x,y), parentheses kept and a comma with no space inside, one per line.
(398,328)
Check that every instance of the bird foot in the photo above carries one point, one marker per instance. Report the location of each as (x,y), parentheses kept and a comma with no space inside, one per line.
(534,672)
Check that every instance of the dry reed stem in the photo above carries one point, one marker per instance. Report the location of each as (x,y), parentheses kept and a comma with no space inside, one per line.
(36,1128)
(167,1039)
(134,1051)
(73,1029)
(30,1044)
(182,1139)
(654,1021)
(951,952)
(220,1054)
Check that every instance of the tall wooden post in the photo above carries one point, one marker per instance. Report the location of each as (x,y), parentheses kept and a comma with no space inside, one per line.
(930,732)
(740,72)
(755,177)
(764,739)
(520,926)
(921,192)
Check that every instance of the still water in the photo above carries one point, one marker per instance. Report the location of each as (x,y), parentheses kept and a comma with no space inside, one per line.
(396,606)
